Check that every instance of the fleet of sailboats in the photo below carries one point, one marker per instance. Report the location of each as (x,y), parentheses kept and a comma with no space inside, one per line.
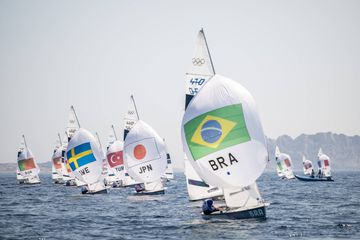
(224,145)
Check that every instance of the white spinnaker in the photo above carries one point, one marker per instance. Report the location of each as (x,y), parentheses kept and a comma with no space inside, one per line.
(286,163)
(307,166)
(27,156)
(56,161)
(324,163)
(218,93)
(115,159)
(145,153)
(88,170)
(73,123)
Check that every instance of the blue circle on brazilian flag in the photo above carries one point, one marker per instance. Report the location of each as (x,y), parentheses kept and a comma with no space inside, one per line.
(211,131)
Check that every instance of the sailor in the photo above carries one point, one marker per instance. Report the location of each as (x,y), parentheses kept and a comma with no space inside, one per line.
(312,173)
(84,190)
(139,188)
(319,174)
(208,207)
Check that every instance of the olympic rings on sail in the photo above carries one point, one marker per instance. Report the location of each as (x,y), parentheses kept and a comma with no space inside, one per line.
(198,61)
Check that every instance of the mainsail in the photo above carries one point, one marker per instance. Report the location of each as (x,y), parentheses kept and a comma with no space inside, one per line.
(223,137)
(130,119)
(73,123)
(200,71)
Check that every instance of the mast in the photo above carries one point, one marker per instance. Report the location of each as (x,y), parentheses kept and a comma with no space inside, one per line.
(207,47)
(24,140)
(60,139)
(97,135)
(132,98)
(112,126)
(77,120)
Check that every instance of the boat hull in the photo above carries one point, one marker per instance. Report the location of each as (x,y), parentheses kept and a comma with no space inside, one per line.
(151,193)
(104,191)
(314,179)
(253,213)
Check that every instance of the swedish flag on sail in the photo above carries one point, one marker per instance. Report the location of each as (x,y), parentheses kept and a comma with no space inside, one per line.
(216,130)
(80,156)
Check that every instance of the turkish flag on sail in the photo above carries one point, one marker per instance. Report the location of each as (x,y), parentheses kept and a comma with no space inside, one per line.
(115,159)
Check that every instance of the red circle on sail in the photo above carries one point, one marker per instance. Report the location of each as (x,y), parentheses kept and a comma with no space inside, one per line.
(139,151)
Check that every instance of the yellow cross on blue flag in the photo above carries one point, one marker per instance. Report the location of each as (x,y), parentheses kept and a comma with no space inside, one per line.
(80,156)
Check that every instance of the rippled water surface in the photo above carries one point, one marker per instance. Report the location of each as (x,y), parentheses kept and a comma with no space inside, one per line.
(300,210)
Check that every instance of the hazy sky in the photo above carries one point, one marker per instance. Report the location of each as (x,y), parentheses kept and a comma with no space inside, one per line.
(299,59)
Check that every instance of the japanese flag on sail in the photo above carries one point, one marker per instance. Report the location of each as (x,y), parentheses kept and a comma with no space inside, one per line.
(145,153)
(145,150)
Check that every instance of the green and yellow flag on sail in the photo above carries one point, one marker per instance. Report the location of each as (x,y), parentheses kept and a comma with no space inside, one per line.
(216,130)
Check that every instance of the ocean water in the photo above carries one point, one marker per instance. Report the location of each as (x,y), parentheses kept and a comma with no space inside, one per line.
(298,210)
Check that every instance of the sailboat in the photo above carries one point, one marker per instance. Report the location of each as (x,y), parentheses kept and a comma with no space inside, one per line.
(224,141)
(85,160)
(284,164)
(169,172)
(130,119)
(115,160)
(72,126)
(200,71)
(279,167)
(307,166)
(27,166)
(105,167)
(67,176)
(145,158)
(56,173)
(324,170)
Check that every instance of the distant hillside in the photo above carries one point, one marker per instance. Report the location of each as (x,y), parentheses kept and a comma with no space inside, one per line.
(344,151)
